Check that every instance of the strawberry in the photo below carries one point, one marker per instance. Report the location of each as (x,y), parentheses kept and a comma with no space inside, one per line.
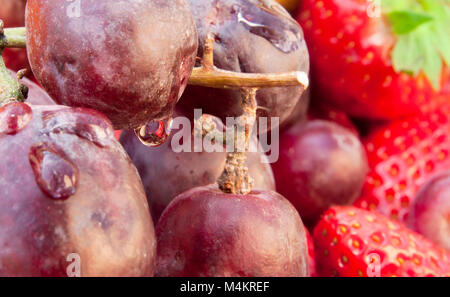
(378,62)
(402,157)
(353,242)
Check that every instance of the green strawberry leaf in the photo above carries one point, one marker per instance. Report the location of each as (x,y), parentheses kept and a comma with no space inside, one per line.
(404,22)
(423,36)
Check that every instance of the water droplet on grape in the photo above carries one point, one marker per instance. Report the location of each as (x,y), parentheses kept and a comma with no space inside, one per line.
(80,123)
(55,176)
(155,132)
(14,117)
(283,34)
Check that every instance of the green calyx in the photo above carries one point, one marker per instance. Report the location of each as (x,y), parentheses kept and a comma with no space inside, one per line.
(422,28)
(10,88)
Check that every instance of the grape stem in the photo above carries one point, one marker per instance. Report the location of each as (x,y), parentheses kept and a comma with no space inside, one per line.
(14,37)
(10,88)
(235,178)
(206,75)
(207,128)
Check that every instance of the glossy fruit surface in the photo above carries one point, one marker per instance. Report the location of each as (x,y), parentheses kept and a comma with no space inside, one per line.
(402,156)
(251,36)
(430,212)
(129,60)
(12,13)
(362,63)
(355,242)
(167,173)
(320,164)
(205,232)
(68,187)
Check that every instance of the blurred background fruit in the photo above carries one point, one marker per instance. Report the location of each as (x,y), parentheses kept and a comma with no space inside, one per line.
(403,155)
(382,66)
(321,164)
(325,112)
(354,242)
(430,212)
(311,255)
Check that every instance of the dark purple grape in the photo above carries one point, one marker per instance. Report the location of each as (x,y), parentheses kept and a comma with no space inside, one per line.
(130,60)
(321,164)
(166,173)
(251,36)
(68,187)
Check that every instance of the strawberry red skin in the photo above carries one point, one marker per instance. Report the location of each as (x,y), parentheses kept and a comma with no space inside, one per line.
(402,157)
(347,238)
(353,51)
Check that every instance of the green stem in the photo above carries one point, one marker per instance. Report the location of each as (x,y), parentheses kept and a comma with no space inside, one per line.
(235,178)
(10,88)
(14,37)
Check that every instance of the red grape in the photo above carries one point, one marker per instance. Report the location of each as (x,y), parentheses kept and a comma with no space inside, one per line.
(166,173)
(251,36)
(68,187)
(320,164)
(205,232)
(430,212)
(130,60)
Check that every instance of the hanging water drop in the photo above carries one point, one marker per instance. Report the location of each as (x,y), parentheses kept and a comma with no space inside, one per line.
(55,176)
(155,132)
(14,117)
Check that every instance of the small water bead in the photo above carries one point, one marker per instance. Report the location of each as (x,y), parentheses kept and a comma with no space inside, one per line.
(55,176)
(81,122)
(14,117)
(284,35)
(155,132)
